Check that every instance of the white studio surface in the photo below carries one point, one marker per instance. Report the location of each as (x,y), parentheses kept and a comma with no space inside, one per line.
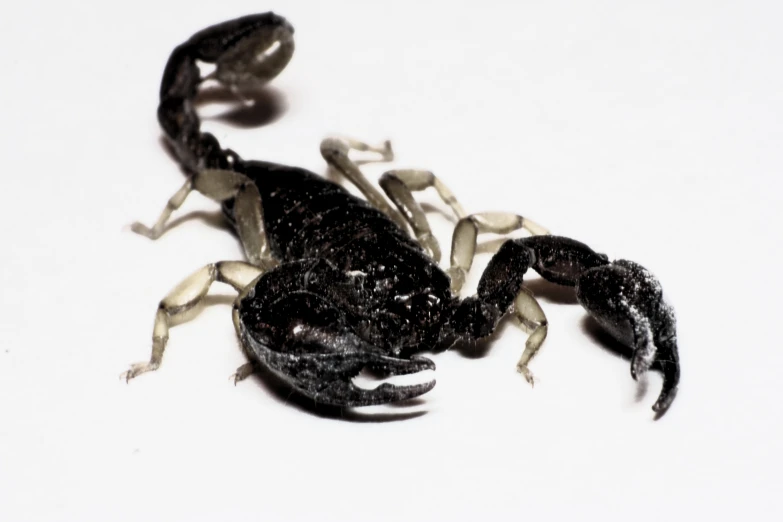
(651,132)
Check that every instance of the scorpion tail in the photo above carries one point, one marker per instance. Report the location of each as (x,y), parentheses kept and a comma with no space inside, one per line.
(247,51)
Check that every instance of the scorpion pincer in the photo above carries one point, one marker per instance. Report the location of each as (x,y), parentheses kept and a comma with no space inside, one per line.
(334,283)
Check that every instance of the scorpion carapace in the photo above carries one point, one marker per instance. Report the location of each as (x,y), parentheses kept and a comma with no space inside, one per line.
(335,283)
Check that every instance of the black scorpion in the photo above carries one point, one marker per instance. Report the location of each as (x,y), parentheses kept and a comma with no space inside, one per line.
(336,284)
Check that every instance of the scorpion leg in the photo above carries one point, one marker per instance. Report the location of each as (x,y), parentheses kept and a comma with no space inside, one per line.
(335,152)
(463,243)
(243,372)
(172,204)
(398,185)
(221,185)
(184,297)
(533,320)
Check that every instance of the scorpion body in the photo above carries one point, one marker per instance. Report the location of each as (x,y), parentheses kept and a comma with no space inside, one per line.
(335,283)
(349,279)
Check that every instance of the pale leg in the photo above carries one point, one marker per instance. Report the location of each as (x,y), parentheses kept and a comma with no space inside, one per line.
(173,204)
(184,297)
(220,185)
(335,152)
(463,243)
(532,319)
(399,184)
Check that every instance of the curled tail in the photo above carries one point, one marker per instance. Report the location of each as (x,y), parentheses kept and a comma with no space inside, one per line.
(247,51)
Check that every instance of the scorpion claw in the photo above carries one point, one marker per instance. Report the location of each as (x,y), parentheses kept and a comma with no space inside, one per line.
(343,391)
(395,366)
(643,357)
(349,394)
(670,368)
(627,300)
(326,373)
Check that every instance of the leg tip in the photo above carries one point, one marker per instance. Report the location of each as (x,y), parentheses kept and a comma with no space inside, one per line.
(527,374)
(457,276)
(388,152)
(137,369)
(143,230)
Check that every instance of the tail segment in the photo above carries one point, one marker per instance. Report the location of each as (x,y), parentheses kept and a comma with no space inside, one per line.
(247,51)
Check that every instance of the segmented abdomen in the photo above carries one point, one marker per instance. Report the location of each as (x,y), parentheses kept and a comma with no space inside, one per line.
(307,216)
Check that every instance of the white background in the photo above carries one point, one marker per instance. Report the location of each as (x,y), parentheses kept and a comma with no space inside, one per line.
(650,131)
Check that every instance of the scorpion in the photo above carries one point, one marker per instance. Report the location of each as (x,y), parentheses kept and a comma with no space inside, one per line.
(334,284)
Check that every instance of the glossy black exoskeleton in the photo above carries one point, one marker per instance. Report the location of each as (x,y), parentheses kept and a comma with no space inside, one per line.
(336,283)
